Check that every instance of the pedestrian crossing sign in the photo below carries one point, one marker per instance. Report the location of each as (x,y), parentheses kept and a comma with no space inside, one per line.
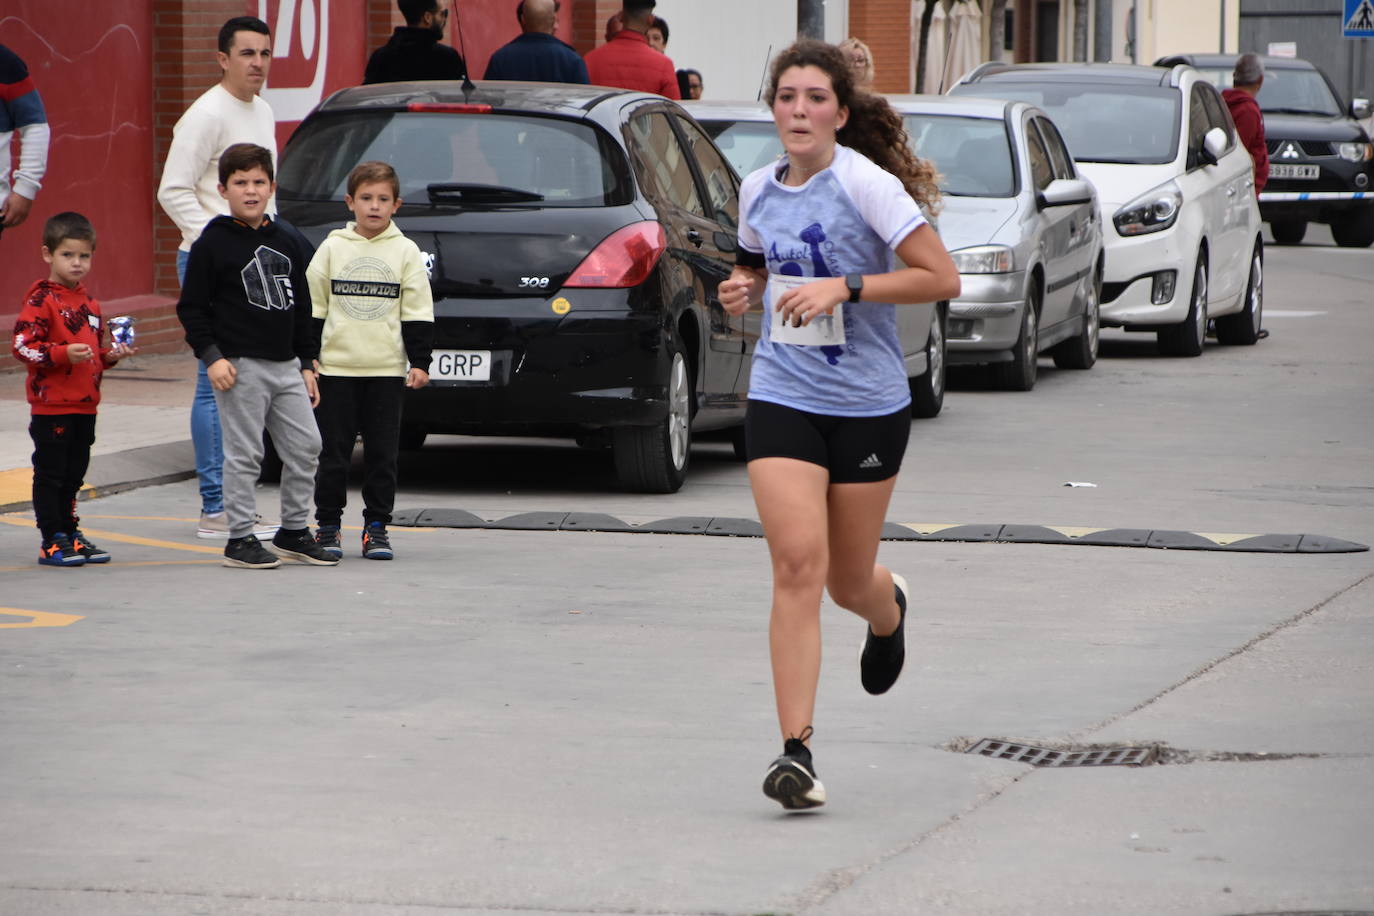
(1359,19)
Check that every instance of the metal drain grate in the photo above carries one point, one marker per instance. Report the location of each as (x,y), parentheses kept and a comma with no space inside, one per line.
(1072,757)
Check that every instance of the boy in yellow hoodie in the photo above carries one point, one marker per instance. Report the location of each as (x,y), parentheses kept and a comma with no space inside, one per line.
(374,311)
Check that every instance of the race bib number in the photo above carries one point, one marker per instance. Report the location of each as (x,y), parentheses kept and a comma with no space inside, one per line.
(823,331)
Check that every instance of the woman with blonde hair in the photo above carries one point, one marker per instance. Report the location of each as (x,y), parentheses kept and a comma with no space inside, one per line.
(829,406)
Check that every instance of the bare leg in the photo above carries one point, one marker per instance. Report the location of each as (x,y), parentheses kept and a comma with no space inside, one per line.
(855,581)
(791,499)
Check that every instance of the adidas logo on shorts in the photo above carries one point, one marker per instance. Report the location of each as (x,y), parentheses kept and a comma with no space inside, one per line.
(870,462)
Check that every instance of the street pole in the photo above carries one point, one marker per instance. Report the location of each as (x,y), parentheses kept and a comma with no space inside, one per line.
(811,19)
(1102,31)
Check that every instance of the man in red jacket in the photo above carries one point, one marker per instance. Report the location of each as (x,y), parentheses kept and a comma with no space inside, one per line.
(1245,111)
(627,61)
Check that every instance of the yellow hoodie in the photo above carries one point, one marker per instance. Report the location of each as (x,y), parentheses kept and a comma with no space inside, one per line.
(363,289)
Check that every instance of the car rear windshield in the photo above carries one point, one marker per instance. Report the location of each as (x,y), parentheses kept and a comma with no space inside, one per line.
(492,159)
(748,145)
(1286,91)
(972,155)
(1104,122)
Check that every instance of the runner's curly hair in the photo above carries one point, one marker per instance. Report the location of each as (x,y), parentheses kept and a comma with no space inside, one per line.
(873,128)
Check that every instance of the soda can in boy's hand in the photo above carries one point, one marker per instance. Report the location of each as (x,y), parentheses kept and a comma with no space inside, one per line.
(122,331)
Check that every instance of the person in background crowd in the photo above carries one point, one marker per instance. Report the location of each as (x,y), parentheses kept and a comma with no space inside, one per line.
(627,61)
(614,23)
(829,408)
(1245,111)
(230,112)
(860,63)
(414,51)
(21,111)
(535,54)
(689,84)
(658,35)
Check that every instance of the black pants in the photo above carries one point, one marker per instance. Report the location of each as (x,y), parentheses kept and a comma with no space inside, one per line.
(348,406)
(61,454)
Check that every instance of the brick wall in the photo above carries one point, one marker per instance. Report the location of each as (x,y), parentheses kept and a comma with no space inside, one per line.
(885,27)
(382,17)
(589,23)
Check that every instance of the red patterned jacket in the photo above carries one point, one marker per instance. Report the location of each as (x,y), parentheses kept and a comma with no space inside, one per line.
(53,318)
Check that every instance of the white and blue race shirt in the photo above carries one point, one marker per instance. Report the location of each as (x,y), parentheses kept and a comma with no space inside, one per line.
(847,218)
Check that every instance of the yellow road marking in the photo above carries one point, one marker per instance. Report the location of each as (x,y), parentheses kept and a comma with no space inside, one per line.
(16,486)
(36,618)
(129,538)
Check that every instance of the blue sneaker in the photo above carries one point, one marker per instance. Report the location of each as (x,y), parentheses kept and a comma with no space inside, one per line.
(376,545)
(327,536)
(86,547)
(58,551)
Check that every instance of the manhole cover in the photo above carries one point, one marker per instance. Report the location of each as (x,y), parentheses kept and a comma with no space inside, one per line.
(1065,757)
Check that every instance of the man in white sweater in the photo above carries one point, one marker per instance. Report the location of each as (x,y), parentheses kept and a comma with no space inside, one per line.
(229,112)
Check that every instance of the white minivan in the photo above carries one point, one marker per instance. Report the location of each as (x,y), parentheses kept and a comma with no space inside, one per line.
(1175,187)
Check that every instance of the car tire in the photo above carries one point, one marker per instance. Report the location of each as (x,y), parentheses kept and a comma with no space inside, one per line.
(654,459)
(1019,374)
(1288,231)
(928,388)
(1355,230)
(1080,352)
(1243,328)
(1188,336)
(412,438)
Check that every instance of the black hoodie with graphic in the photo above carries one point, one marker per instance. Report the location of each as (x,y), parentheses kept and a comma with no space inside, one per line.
(246,294)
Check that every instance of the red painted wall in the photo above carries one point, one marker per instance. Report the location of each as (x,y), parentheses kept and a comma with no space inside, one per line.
(318,46)
(94,72)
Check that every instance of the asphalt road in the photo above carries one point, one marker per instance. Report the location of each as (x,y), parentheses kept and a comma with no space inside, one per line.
(530,722)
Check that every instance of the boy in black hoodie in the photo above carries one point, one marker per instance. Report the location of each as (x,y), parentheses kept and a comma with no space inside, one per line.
(245,306)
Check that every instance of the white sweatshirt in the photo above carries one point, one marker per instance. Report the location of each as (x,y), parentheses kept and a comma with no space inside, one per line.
(190,180)
(363,289)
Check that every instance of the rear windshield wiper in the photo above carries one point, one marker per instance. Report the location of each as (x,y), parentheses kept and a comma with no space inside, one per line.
(460,192)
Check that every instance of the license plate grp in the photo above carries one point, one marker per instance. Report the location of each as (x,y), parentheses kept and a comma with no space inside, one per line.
(460,366)
(1294,171)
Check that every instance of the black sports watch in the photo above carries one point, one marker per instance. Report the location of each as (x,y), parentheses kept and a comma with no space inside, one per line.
(855,282)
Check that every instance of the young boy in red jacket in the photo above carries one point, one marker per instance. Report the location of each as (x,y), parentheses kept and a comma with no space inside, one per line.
(58,336)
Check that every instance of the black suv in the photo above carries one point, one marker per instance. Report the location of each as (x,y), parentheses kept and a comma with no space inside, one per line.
(1321,161)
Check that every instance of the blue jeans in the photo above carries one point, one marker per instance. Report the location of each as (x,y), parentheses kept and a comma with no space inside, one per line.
(205,434)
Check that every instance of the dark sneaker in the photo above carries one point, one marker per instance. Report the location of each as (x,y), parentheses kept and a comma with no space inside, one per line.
(86,547)
(248,553)
(376,545)
(881,660)
(58,551)
(791,780)
(300,547)
(327,536)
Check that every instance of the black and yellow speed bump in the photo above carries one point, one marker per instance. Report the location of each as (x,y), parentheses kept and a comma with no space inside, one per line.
(722,526)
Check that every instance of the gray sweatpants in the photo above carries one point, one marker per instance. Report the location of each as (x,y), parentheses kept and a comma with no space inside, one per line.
(267,395)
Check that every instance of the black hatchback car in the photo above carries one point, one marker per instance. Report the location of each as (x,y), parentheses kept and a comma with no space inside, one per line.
(575,237)
(1321,161)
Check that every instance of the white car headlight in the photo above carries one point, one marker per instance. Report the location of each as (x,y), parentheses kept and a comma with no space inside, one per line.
(984,259)
(1355,152)
(1150,212)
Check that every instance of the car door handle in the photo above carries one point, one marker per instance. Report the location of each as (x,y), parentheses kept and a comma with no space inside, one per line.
(694,237)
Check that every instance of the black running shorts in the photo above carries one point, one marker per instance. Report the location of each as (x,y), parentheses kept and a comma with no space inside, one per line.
(853,449)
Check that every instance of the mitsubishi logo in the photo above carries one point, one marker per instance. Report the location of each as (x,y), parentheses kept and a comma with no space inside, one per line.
(1290,151)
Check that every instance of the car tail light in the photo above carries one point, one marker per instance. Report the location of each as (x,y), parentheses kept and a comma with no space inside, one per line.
(449,107)
(624,258)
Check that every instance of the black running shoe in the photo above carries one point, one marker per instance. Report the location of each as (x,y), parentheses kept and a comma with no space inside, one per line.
(881,660)
(86,547)
(791,780)
(248,553)
(376,545)
(327,536)
(299,546)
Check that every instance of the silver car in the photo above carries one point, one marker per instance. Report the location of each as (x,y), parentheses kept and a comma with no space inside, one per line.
(744,132)
(1022,227)
(1019,220)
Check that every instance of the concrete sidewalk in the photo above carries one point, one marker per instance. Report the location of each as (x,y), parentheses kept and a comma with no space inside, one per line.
(143,434)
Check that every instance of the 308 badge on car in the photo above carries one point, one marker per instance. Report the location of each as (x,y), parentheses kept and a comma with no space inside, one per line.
(460,366)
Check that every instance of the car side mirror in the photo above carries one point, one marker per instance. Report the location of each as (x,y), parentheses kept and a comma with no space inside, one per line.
(1213,145)
(1063,192)
(724,241)
(1360,109)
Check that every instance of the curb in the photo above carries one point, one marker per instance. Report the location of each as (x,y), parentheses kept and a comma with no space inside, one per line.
(117,472)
